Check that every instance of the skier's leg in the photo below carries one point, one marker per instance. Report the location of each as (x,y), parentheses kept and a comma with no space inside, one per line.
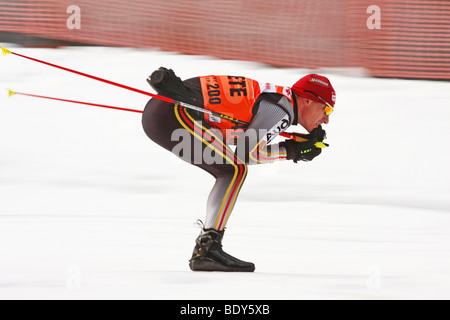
(160,120)
(230,174)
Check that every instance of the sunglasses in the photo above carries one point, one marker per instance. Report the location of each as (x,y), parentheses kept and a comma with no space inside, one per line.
(328,108)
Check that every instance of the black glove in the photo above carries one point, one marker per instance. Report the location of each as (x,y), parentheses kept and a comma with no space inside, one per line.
(306,150)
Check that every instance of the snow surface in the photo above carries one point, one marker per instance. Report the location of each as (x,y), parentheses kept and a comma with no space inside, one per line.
(90,208)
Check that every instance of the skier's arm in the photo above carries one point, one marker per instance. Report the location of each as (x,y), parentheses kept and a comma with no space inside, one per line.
(269,120)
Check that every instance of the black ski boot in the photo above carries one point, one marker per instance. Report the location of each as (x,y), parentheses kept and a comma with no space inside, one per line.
(209,256)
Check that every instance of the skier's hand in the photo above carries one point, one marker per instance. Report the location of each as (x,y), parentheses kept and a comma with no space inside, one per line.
(306,150)
(318,133)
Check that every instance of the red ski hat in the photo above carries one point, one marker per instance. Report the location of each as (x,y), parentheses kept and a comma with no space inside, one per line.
(314,86)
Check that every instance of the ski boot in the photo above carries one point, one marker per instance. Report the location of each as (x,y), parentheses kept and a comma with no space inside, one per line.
(209,256)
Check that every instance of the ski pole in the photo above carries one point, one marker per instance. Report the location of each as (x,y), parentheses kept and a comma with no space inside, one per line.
(6,51)
(11,93)
(156,96)
(296,136)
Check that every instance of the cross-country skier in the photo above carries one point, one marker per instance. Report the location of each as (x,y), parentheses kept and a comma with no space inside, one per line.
(205,140)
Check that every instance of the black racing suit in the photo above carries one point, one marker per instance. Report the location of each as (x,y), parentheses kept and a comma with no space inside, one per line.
(185,133)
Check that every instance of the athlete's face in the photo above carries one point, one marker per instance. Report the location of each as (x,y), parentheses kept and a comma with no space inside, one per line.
(311,114)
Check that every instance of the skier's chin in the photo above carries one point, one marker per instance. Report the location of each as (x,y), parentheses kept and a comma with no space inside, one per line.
(312,127)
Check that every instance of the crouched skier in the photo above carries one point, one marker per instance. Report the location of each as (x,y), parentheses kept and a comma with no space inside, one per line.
(268,109)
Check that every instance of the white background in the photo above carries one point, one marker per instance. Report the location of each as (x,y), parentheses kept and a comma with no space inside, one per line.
(90,208)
